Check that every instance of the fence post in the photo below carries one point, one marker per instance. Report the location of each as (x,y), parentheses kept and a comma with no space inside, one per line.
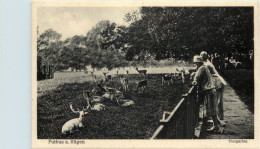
(183,119)
(186,114)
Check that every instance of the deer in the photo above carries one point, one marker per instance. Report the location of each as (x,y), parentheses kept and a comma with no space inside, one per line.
(107,77)
(99,89)
(94,77)
(184,74)
(167,78)
(141,71)
(142,84)
(75,123)
(124,82)
(177,75)
(95,107)
(109,92)
(126,103)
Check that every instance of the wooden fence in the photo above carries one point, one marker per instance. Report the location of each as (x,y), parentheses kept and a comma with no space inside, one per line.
(182,120)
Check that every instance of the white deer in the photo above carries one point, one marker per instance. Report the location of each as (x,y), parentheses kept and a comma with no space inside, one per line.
(75,123)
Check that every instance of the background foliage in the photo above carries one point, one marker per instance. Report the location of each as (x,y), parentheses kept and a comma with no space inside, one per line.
(154,33)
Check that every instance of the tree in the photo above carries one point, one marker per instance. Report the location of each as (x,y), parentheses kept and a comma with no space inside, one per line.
(75,54)
(107,44)
(48,47)
(181,32)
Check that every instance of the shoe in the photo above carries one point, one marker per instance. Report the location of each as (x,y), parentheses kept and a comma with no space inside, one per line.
(216,129)
(213,128)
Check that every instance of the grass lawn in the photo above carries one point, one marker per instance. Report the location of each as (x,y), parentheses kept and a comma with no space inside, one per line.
(243,83)
(115,122)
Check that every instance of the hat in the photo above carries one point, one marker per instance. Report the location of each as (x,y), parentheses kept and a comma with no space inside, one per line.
(204,55)
(197,59)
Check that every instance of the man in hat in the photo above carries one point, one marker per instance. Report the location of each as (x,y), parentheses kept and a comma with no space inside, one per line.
(219,84)
(203,78)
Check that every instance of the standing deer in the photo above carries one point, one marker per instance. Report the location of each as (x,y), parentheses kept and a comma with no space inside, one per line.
(124,82)
(141,71)
(107,78)
(94,77)
(142,84)
(75,123)
(167,78)
(184,74)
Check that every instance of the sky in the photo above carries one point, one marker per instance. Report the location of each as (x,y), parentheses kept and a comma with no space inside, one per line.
(70,21)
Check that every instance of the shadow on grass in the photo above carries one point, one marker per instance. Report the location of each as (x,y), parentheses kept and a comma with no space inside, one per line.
(136,122)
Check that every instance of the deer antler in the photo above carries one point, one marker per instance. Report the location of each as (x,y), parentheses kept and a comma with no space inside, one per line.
(85,109)
(87,99)
(76,112)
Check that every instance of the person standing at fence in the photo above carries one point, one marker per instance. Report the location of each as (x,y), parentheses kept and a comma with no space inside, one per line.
(204,79)
(219,84)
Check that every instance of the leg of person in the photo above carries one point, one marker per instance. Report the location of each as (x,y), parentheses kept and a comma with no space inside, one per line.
(220,104)
(212,110)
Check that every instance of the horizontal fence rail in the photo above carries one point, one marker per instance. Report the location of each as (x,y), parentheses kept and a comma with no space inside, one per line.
(182,120)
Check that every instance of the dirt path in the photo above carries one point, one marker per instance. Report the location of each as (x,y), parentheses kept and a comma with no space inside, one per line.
(237,116)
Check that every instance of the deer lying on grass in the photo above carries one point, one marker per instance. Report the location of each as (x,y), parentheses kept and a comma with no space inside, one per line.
(110,92)
(75,123)
(95,107)
(124,82)
(167,78)
(99,89)
(141,85)
(126,103)
(141,71)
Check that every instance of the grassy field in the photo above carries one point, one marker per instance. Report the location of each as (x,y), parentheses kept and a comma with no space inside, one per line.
(243,83)
(115,122)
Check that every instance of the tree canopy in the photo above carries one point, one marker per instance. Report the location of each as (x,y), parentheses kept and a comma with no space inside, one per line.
(154,33)
(180,32)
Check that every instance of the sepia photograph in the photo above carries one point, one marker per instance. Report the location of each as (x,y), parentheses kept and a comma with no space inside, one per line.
(144,72)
